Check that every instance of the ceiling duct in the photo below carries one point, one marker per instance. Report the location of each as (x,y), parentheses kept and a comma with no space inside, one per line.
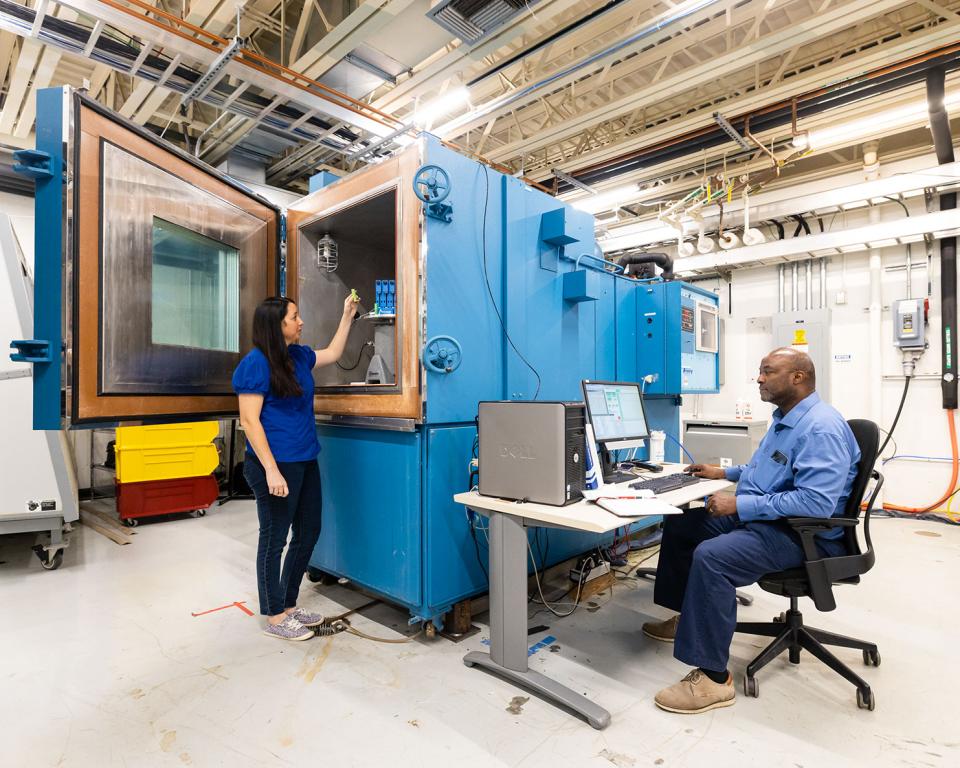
(473,20)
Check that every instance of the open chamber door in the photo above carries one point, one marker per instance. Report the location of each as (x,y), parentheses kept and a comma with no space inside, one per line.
(149,265)
(362,233)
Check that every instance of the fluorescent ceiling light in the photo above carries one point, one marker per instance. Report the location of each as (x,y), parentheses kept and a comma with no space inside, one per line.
(605,201)
(854,204)
(886,243)
(876,124)
(911,239)
(444,105)
(853,248)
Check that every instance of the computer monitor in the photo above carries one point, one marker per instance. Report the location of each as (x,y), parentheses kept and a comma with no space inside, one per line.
(615,411)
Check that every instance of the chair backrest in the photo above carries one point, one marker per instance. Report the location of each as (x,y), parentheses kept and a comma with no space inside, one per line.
(867,435)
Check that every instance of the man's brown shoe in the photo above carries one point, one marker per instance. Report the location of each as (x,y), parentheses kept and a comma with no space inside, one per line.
(696,693)
(664,631)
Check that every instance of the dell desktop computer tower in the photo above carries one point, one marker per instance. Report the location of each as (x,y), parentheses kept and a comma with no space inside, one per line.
(532,450)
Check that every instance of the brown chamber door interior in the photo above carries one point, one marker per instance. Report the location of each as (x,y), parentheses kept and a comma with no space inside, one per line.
(170,260)
(359,234)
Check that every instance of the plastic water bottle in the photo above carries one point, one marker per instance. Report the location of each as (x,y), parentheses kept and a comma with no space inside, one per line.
(658,439)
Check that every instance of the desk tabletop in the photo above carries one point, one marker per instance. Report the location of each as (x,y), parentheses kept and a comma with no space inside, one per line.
(584,515)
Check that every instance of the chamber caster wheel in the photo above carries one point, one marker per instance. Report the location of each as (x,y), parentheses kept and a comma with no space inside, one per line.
(866,699)
(323,578)
(871,659)
(200,512)
(48,561)
(751,687)
(131,522)
(430,630)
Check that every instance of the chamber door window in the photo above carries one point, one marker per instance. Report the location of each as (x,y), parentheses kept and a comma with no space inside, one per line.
(195,296)
(708,325)
(181,271)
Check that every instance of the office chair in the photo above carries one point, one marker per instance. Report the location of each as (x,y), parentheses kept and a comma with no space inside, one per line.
(815,579)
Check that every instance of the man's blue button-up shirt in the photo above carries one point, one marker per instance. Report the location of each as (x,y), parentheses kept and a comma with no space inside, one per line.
(805,466)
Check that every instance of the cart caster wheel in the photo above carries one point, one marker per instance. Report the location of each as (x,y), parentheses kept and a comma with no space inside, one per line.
(871,658)
(866,700)
(781,619)
(200,512)
(131,522)
(430,630)
(751,687)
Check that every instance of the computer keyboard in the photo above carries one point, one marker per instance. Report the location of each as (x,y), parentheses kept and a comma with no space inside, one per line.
(666,483)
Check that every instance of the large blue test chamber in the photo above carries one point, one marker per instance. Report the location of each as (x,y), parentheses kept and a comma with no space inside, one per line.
(473,286)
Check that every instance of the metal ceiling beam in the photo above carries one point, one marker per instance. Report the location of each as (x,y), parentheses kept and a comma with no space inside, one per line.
(431,77)
(843,69)
(370,17)
(30,51)
(836,19)
(8,42)
(193,50)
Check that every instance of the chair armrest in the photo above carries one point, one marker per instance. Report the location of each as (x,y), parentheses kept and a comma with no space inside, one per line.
(801,524)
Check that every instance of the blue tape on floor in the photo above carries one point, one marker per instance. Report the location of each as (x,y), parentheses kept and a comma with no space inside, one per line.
(545,643)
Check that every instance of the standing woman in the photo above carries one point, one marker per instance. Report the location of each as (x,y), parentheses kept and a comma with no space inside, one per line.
(275,388)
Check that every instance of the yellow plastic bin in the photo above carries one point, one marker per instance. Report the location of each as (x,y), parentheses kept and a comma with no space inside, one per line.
(166,451)
(167,435)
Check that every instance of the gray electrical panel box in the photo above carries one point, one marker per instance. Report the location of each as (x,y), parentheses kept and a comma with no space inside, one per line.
(726,443)
(909,330)
(807,331)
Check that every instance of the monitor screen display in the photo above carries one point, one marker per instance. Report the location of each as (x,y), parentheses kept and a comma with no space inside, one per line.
(616,411)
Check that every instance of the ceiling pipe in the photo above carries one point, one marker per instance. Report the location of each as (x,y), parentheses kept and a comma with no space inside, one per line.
(823,283)
(552,38)
(871,170)
(943,143)
(795,286)
(780,284)
(868,85)
(522,93)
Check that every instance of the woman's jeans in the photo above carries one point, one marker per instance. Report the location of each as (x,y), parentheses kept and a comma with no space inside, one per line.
(300,509)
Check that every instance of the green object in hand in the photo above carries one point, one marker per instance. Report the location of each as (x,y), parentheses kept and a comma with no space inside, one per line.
(353,295)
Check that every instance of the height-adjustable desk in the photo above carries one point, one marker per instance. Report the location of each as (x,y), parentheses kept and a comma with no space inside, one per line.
(508,581)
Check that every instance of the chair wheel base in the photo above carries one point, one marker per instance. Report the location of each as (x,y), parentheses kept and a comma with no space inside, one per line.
(866,699)
(871,658)
(751,687)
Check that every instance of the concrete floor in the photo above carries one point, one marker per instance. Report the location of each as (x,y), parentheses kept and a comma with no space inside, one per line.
(102,664)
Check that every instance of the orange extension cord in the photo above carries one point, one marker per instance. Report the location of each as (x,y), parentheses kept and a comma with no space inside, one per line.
(951,488)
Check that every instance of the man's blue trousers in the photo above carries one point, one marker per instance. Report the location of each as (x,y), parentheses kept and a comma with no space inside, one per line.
(703,560)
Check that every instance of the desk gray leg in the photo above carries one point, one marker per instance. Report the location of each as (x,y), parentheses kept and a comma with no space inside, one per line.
(508,622)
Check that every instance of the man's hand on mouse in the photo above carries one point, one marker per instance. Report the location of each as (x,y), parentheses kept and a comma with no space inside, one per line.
(706,471)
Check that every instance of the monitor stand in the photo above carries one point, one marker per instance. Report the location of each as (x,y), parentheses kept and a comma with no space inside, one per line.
(610,472)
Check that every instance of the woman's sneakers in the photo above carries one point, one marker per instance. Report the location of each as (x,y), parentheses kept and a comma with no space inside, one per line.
(288,629)
(307,619)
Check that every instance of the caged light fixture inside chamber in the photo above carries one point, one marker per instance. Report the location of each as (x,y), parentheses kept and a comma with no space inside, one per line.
(328,258)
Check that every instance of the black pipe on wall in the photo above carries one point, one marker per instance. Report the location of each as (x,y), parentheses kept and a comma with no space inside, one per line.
(943,143)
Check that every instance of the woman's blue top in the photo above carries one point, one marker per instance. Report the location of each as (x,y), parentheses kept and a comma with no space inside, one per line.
(289,422)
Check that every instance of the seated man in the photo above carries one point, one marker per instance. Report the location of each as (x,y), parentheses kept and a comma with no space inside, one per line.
(805,467)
